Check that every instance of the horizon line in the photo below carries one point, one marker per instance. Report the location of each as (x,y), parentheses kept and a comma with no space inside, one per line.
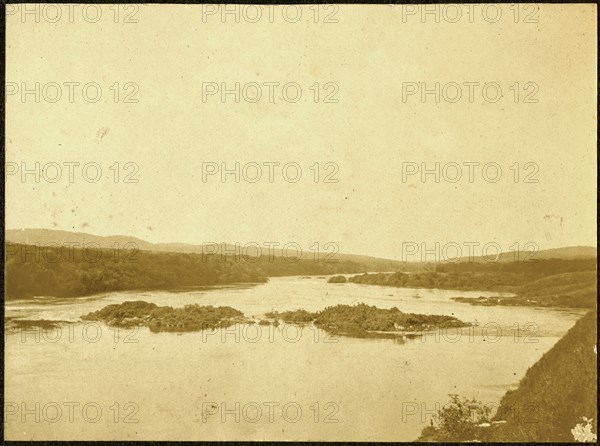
(233,244)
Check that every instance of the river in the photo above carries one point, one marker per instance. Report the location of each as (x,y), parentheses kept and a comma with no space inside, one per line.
(250,382)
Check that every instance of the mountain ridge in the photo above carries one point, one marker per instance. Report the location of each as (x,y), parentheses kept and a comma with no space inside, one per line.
(49,237)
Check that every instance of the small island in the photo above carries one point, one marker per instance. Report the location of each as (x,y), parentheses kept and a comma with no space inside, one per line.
(363,320)
(337,279)
(157,319)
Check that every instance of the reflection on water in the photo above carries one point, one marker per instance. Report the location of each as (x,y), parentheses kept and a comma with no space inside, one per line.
(262,382)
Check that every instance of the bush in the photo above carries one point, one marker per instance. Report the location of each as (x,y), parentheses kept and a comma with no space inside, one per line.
(337,279)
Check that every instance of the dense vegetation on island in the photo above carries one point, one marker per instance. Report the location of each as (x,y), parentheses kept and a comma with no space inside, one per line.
(361,319)
(551,282)
(64,271)
(357,320)
(188,318)
(555,395)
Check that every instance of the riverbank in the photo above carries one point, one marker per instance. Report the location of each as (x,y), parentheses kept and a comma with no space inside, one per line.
(546,285)
(490,301)
(69,272)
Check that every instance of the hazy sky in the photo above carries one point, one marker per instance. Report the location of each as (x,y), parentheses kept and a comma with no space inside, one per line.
(364,61)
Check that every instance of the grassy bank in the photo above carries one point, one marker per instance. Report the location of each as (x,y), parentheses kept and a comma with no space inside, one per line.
(552,398)
(547,283)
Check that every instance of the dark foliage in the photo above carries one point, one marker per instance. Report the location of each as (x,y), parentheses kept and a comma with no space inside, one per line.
(188,318)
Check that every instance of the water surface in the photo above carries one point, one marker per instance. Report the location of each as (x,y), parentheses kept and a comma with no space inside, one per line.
(261,383)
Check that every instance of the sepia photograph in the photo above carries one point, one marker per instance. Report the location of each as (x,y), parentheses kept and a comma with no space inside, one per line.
(300,222)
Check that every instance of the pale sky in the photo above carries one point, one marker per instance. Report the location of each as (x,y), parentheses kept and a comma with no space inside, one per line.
(370,54)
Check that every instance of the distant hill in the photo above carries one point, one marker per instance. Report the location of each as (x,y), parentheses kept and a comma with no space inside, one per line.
(61,270)
(45,237)
(570,252)
(52,237)
(567,253)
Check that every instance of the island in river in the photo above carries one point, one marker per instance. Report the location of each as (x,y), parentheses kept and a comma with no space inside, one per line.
(359,320)
(189,318)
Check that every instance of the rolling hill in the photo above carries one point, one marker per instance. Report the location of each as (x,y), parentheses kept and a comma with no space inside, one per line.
(52,237)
